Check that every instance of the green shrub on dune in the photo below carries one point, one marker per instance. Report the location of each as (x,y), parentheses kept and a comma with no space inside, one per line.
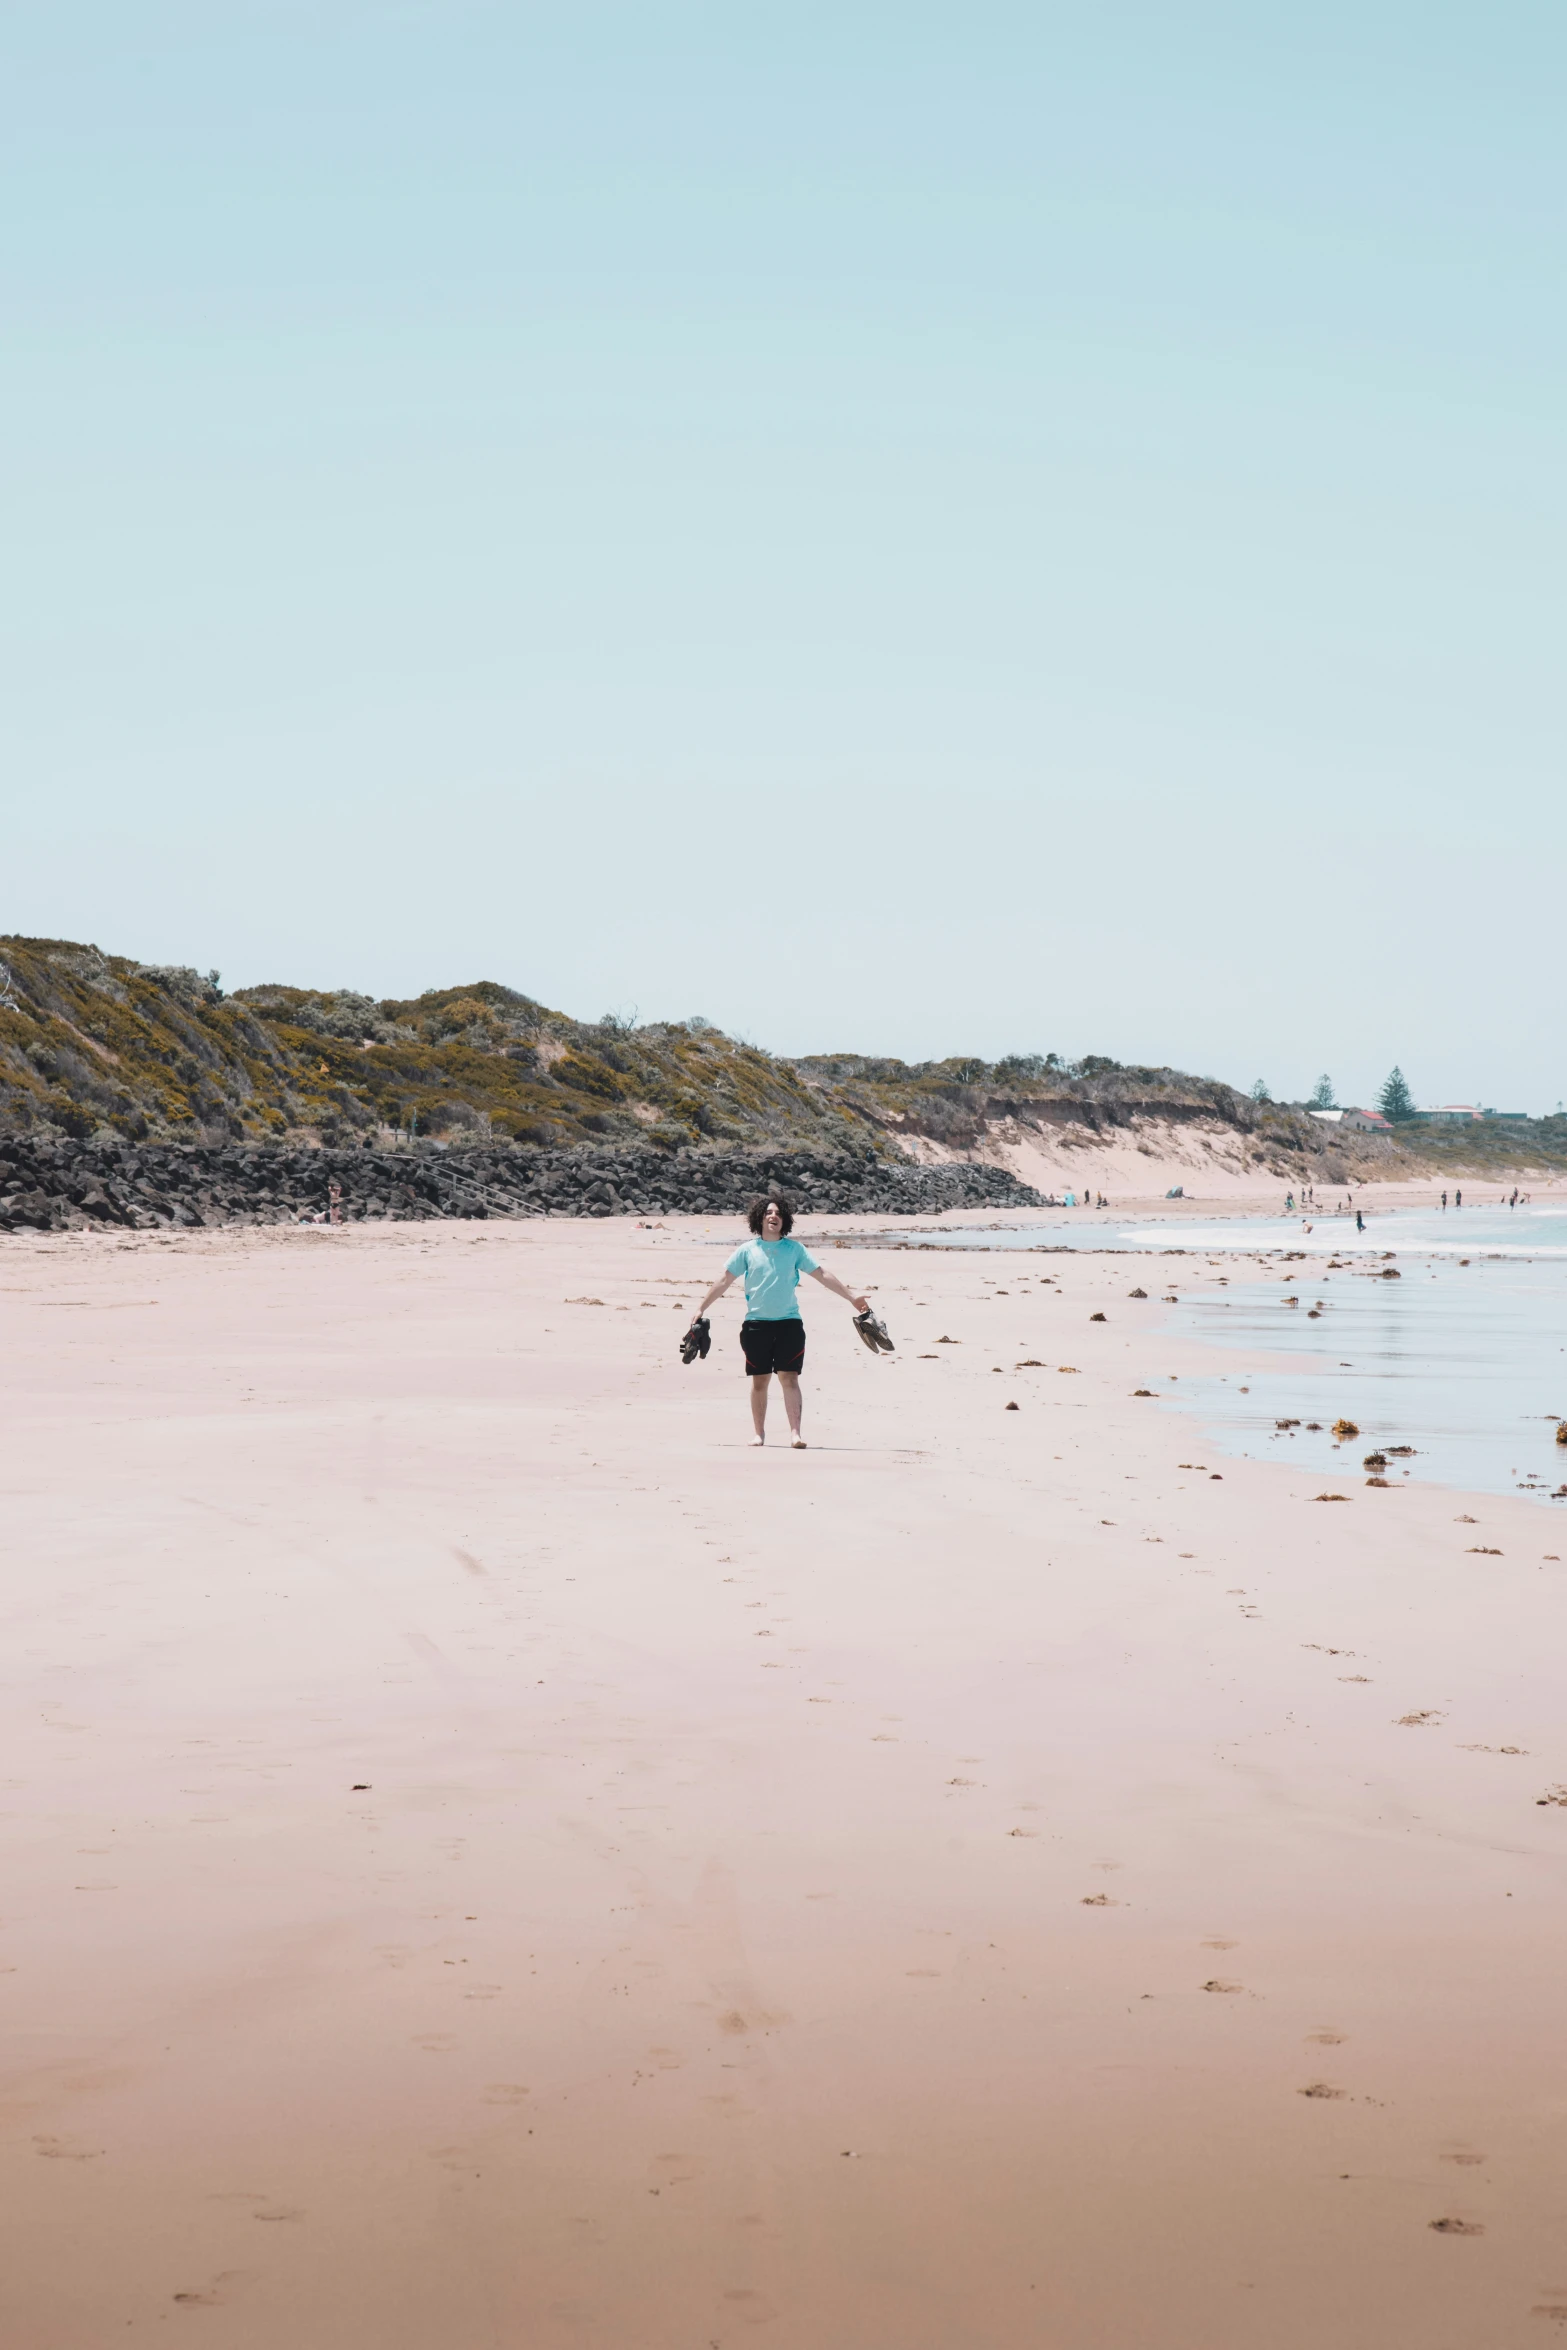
(92,1043)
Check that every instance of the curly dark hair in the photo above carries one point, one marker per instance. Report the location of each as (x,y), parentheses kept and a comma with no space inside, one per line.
(758,1209)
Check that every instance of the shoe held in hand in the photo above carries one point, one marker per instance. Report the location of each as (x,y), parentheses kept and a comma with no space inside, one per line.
(697,1340)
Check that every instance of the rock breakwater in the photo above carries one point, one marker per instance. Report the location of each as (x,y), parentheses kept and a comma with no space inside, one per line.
(57,1186)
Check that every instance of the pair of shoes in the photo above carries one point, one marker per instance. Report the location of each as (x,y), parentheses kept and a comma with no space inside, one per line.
(696,1341)
(873,1332)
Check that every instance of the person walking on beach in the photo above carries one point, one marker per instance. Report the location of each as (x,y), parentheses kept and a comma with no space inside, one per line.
(1360,1221)
(1458,1199)
(772,1334)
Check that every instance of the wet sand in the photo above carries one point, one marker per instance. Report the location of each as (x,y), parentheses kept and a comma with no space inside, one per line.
(492,1860)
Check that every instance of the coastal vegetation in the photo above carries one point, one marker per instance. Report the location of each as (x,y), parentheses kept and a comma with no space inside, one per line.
(97,1046)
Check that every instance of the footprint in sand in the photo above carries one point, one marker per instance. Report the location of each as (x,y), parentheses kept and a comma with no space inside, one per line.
(677,2170)
(1326,2039)
(212,2296)
(1456,2227)
(1321,2089)
(753,2308)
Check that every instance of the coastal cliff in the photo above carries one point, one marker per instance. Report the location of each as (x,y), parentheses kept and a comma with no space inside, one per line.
(104,1051)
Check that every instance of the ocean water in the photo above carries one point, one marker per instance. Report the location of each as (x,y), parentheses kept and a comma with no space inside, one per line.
(1525,1231)
(1464,1356)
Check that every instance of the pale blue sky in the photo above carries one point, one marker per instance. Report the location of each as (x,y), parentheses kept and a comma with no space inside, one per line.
(921,529)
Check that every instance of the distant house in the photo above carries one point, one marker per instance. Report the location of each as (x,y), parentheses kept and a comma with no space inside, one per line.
(1467,1114)
(1358,1121)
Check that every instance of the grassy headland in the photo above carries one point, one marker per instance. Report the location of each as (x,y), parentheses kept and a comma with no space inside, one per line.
(93,1044)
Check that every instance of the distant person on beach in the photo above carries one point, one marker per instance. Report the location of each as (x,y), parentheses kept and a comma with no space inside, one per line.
(1360,1221)
(1458,1199)
(772,1334)
(1444,1200)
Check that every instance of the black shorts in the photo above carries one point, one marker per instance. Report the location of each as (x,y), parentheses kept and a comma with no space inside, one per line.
(773,1346)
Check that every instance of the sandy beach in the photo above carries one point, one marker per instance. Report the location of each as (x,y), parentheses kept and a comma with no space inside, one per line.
(491,1860)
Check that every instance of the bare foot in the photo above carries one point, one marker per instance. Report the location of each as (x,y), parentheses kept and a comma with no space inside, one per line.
(798,1443)
(756,1440)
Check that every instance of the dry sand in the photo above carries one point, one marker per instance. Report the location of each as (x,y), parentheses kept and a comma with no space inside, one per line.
(492,1860)
(1213,1162)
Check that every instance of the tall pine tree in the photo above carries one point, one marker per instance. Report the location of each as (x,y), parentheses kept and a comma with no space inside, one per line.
(1395,1101)
(1322,1094)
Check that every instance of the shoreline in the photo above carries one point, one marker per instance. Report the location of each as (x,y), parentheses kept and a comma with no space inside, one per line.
(902,1894)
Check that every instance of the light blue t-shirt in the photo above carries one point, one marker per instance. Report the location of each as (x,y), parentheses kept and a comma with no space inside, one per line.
(772,1270)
